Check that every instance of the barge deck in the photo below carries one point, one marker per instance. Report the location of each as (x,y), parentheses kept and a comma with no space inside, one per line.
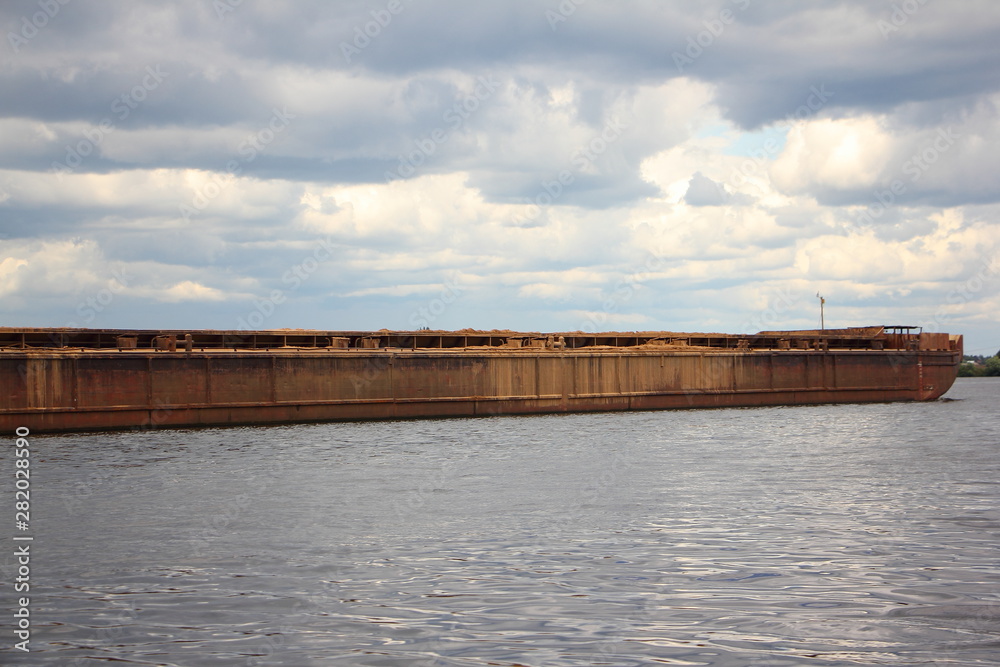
(90,379)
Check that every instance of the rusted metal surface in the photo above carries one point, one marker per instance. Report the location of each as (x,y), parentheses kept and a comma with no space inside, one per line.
(86,379)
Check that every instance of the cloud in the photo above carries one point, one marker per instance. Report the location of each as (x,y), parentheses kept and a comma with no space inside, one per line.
(564,165)
(9,279)
(877,162)
(703,191)
(190,291)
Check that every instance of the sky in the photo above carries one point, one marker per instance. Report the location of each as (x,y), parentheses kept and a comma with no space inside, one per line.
(570,165)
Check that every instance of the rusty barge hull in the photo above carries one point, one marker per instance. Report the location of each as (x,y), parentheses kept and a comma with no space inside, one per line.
(69,380)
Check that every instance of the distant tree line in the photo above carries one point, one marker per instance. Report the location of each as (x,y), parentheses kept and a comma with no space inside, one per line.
(975,366)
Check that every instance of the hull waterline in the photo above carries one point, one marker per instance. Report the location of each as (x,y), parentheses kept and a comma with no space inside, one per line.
(71,380)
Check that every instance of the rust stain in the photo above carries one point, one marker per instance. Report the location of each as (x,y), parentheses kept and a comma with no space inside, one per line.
(80,379)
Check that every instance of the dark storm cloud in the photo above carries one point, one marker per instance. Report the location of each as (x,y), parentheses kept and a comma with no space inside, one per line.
(876,200)
(138,94)
(544,189)
(154,65)
(26,221)
(30,27)
(768,61)
(348,170)
(766,58)
(763,56)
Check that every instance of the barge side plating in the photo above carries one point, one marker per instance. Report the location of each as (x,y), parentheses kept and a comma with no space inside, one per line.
(88,379)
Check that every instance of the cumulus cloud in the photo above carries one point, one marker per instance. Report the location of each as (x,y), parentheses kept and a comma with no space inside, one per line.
(634,164)
(703,191)
(880,160)
(189,290)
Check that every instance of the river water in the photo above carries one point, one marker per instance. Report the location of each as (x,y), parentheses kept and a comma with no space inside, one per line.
(826,535)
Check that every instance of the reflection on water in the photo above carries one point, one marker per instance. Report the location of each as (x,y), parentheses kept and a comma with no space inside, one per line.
(828,535)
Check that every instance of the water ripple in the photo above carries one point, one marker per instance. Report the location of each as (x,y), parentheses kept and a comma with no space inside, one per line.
(824,535)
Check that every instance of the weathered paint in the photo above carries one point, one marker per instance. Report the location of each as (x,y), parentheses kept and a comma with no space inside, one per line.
(95,386)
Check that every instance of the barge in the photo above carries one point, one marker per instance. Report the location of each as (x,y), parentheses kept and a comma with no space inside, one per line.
(95,379)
